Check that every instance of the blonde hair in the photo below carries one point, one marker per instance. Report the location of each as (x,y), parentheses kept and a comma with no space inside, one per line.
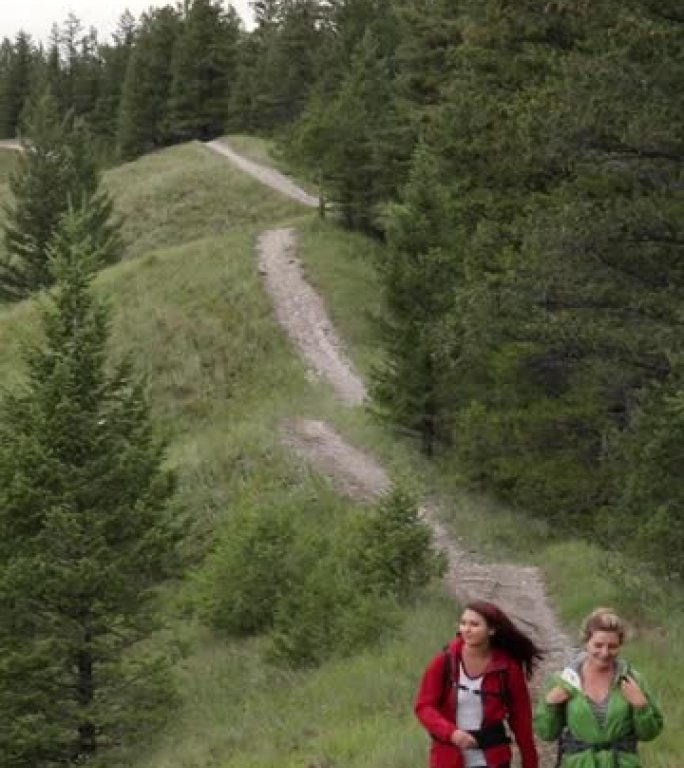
(603,620)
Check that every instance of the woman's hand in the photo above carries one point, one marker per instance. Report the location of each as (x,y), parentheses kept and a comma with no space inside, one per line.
(632,692)
(463,739)
(557,695)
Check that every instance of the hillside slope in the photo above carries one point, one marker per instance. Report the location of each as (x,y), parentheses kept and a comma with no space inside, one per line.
(191,307)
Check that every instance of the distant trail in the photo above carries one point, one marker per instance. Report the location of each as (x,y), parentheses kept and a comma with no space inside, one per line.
(14,144)
(300,310)
(264,174)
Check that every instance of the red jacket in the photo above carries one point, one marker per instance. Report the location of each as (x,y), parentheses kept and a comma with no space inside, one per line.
(437,711)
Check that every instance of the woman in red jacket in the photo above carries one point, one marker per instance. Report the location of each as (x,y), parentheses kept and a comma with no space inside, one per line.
(470,689)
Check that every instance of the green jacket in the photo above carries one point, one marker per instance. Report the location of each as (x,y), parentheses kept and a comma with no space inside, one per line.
(622,721)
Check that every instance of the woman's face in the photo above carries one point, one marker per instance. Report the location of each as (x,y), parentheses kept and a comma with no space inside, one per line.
(602,648)
(474,629)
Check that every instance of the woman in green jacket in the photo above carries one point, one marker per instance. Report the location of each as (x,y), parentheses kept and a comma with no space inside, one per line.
(598,707)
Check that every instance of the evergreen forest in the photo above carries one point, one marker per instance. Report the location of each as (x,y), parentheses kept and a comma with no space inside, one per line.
(512,173)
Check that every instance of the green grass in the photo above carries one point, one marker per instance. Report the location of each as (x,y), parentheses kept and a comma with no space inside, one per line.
(351,712)
(186,193)
(340,265)
(223,377)
(262,151)
(191,310)
(8,161)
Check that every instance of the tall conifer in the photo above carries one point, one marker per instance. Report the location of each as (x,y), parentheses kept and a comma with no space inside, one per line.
(420,275)
(84,539)
(203,66)
(57,168)
(142,121)
(16,80)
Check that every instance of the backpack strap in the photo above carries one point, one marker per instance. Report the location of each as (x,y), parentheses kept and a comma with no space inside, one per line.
(504,689)
(447,674)
(559,753)
(448,680)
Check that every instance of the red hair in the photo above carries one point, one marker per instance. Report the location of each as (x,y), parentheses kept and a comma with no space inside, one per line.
(507,636)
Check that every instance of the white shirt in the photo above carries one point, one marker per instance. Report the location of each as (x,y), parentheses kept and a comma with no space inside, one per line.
(470,714)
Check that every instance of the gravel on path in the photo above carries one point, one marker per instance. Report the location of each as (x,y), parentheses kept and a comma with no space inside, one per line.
(300,310)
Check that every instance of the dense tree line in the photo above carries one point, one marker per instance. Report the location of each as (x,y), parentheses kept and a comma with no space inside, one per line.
(523,163)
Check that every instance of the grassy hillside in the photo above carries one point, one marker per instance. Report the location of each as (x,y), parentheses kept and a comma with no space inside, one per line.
(8,159)
(190,308)
(185,194)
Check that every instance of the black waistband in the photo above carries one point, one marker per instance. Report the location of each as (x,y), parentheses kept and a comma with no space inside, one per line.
(491,736)
(571,745)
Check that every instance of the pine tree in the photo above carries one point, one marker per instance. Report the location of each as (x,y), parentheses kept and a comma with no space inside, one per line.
(56,168)
(114,63)
(516,431)
(54,75)
(349,138)
(15,83)
(647,519)
(203,65)
(559,133)
(142,121)
(250,103)
(85,539)
(420,275)
(284,61)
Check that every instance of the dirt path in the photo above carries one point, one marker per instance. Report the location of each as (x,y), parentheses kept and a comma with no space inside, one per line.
(518,589)
(301,312)
(264,174)
(10,144)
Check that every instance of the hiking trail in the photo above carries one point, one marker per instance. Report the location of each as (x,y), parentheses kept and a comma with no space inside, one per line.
(264,174)
(518,589)
(13,144)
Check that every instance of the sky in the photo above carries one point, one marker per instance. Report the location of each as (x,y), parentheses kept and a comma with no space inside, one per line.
(37,16)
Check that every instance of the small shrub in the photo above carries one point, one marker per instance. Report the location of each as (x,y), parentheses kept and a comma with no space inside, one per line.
(319,594)
(391,551)
(249,571)
(327,615)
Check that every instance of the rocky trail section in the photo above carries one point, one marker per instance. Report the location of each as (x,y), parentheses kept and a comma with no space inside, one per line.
(518,589)
(300,310)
